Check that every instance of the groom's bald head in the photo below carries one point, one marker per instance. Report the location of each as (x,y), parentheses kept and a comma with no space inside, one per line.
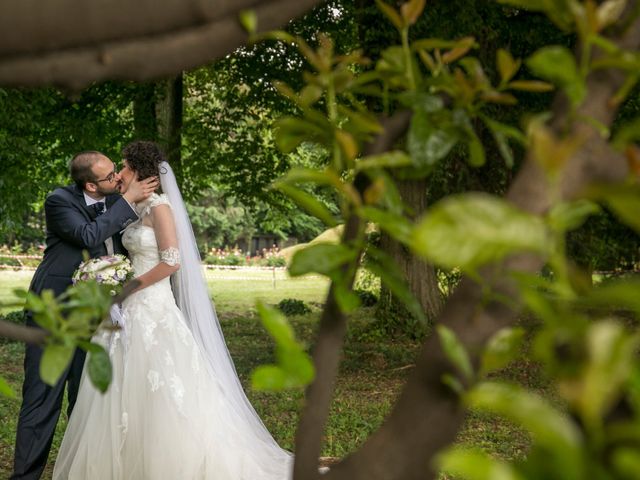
(81,167)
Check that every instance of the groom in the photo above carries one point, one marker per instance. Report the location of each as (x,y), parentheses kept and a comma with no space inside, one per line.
(85,216)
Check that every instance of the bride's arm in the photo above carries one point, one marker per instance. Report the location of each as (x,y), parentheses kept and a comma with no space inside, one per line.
(165,231)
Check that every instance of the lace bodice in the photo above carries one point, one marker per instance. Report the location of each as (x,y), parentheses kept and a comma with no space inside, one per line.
(141,241)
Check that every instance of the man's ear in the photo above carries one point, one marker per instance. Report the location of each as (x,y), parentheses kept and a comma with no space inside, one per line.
(91,187)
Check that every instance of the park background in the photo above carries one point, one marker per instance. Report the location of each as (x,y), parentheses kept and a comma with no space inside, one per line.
(217,125)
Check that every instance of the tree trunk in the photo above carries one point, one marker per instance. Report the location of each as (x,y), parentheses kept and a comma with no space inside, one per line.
(145,123)
(169,111)
(420,276)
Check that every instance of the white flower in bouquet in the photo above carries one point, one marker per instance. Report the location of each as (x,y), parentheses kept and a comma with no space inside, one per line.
(113,270)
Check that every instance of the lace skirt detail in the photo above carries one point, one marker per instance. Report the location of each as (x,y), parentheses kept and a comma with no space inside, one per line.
(164,416)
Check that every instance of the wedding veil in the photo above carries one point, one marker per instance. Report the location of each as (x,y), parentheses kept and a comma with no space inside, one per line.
(192,297)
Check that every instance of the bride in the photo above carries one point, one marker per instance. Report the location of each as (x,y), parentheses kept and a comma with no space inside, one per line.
(175,408)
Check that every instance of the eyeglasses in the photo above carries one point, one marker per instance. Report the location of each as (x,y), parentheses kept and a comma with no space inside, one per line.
(109,178)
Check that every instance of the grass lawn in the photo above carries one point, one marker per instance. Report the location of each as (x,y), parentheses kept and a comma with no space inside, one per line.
(371,373)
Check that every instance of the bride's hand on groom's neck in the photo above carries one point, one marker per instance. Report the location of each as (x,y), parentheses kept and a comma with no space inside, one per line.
(139,190)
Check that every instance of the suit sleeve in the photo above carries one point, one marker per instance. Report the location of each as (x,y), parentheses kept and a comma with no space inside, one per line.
(64,219)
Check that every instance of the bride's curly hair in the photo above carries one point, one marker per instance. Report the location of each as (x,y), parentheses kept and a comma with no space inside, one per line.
(144,158)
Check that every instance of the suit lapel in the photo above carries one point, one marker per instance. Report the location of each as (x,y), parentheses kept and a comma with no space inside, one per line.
(111,199)
(79,196)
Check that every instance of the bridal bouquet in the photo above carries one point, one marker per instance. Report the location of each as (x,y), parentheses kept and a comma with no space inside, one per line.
(114,270)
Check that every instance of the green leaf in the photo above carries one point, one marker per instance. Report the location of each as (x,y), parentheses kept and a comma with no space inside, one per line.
(308,202)
(391,199)
(551,430)
(454,383)
(475,70)
(623,200)
(384,266)
(321,177)
(360,122)
(502,133)
(393,159)
(609,12)
(34,303)
(6,390)
(476,149)
(430,139)
(276,378)
(531,86)
(279,35)
(507,130)
(99,368)
(307,175)
(292,131)
(297,365)
(558,65)
(455,351)
(392,67)
(503,147)
(502,348)
(346,299)
(322,258)
(294,367)
(473,464)
(55,360)
(347,144)
(412,10)
(473,229)
(249,20)
(626,462)
(507,66)
(396,225)
(277,325)
(567,216)
(460,49)
(269,378)
(612,353)
(309,95)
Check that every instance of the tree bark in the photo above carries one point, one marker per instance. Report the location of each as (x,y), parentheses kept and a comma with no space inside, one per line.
(182,36)
(419,275)
(333,324)
(145,123)
(170,123)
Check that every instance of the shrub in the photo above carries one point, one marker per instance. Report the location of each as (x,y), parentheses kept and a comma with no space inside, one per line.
(293,306)
(276,261)
(233,257)
(367,298)
(16,316)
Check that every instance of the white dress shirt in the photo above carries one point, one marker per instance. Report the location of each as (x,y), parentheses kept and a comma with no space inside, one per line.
(90,201)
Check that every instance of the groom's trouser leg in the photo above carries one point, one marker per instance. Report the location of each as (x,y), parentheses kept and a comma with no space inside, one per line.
(41,405)
(73,378)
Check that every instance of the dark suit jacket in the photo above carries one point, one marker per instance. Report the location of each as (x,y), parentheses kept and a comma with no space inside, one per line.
(72,227)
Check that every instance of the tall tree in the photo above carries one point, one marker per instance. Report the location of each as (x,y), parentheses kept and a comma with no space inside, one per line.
(170,125)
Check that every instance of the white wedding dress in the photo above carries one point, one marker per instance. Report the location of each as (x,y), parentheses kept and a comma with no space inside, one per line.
(165,415)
